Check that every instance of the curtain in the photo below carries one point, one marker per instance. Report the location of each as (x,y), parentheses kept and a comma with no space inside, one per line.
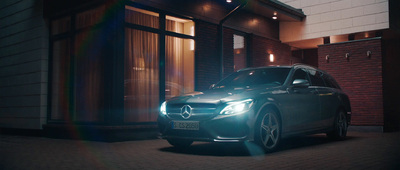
(89,54)
(89,82)
(179,59)
(141,17)
(141,95)
(60,80)
(173,62)
(141,100)
(141,76)
(78,83)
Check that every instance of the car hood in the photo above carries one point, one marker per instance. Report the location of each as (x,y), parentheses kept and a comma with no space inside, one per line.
(217,96)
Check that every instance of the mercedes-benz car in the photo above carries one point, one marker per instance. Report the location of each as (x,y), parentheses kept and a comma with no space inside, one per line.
(263,105)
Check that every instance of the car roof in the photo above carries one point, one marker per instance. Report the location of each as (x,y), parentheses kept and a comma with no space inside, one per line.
(263,67)
(299,65)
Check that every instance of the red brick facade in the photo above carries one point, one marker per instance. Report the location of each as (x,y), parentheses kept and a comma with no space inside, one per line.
(360,77)
(207,61)
(262,47)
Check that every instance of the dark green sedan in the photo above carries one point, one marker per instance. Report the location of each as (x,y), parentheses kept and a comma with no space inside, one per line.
(263,105)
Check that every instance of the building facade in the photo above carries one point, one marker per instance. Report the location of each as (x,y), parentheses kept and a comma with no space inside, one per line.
(357,42)
(110,63)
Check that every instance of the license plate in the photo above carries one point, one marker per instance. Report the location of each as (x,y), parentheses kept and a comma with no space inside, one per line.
(185,125)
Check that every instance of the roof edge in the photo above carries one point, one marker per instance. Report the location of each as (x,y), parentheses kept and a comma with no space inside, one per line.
(288,10)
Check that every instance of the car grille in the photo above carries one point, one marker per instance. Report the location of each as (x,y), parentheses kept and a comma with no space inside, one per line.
(199,111)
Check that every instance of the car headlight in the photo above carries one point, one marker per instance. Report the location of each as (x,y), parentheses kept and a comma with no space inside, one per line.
(237,107)
(163,108)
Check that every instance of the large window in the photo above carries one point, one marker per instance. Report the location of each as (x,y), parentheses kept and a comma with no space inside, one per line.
(85,57)
(77,68)
(143,54)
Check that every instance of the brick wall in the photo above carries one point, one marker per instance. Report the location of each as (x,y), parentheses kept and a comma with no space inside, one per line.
(307,56)
(360,77)
(262,47)
(207,61)
(228,52)
(23,64)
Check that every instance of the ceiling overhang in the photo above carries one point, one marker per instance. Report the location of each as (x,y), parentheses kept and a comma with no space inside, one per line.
(268,8)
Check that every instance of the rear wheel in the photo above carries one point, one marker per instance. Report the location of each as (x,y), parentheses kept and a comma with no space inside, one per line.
(340,127)
(181,143)
(268,130)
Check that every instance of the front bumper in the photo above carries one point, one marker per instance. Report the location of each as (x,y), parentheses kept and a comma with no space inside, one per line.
(221,128)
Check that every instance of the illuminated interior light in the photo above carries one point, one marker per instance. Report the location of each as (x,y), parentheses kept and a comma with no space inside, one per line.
(192,41)
(229,1)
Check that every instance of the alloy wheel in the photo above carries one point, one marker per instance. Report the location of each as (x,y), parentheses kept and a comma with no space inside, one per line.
(270,131)
(341,125)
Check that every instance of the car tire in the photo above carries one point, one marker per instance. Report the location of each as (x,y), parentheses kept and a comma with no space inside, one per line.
(268,130)
(181,143)
(339,127)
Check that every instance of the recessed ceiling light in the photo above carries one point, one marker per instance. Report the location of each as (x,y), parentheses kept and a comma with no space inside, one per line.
(229,1)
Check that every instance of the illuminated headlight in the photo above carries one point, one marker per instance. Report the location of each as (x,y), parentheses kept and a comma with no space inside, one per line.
(238,107)
(163,108)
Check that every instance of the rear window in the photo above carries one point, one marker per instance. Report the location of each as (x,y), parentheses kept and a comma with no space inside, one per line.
(330,82)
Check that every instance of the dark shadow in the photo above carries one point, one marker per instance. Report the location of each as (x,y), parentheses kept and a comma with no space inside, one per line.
(99,133)
(309,141)
(251,149)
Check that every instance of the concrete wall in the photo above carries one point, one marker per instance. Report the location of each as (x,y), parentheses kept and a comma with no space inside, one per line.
(335,17)
(23,64)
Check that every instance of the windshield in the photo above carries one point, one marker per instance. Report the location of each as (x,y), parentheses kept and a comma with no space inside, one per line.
(271,76)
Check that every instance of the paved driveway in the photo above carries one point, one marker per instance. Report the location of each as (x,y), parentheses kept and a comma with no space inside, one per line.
(360,151)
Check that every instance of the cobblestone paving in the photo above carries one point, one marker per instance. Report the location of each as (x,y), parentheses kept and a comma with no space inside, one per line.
(360,150)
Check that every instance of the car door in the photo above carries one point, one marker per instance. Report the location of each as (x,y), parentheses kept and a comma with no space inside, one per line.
(302,103)
(329,100)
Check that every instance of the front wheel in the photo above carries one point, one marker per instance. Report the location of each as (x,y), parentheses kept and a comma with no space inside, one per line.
(268,131)
(339,128)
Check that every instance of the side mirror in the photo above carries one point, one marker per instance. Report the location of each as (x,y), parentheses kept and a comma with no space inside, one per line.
(300,83)
(212,86)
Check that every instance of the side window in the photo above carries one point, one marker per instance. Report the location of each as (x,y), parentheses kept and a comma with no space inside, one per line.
(330,82)
(300,74)
(316,78)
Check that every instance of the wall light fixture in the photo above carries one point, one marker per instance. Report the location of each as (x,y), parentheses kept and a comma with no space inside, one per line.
(347,56)
(271,58)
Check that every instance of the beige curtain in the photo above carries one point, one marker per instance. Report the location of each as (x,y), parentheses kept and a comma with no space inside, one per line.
(141,96)
(141,76)
(149,19)
(174,60)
